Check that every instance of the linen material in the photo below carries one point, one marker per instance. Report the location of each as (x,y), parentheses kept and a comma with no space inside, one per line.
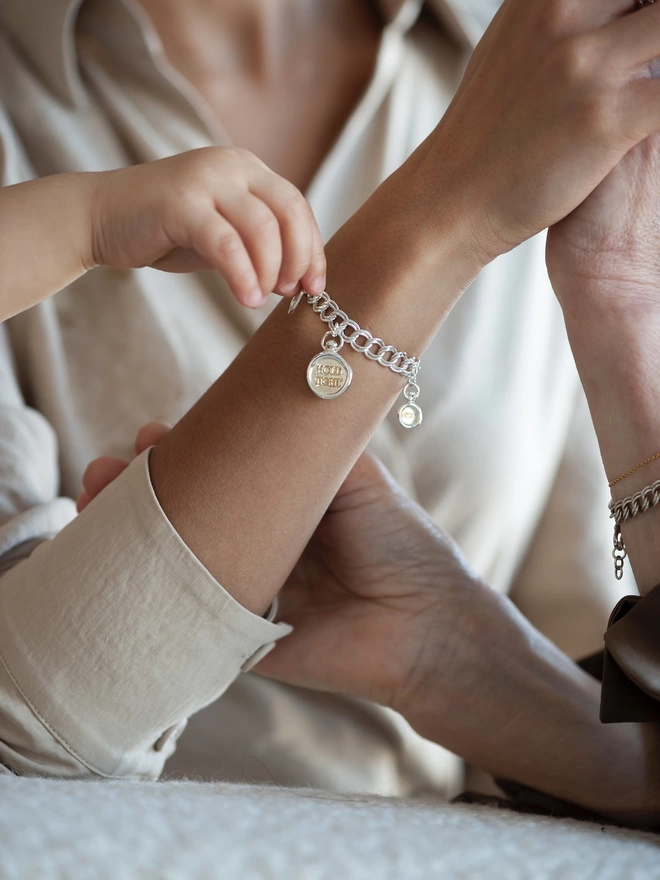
(121,567)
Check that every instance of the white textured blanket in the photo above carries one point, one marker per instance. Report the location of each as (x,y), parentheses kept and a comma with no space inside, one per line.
(53,830)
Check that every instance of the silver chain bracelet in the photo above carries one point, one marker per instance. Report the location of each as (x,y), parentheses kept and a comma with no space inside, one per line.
(328,374)
(628,508)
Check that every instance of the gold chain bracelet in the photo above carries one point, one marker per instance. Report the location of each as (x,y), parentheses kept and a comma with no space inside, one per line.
(633,470)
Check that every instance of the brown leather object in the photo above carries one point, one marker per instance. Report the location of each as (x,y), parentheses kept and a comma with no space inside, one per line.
(631,664)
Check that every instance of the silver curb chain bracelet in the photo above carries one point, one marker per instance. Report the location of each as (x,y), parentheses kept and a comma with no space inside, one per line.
(628,508)
(328,374)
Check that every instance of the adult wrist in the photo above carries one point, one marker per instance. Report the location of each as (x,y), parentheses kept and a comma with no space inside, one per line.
(615,340)
(427,233)
(493,671)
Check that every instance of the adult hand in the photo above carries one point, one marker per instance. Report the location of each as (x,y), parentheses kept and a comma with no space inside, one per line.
(604,255)
(371,595)
(377,593)
(555,95)
(384,608)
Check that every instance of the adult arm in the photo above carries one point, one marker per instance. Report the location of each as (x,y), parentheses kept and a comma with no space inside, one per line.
(474,189)
(384,608)
(605,273)
(606,276)
(246,475)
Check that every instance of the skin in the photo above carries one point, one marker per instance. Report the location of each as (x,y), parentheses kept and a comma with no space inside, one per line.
(577,97)
(262,66)
(385,608)
(374,574)
(607,275)
(219,208)
(471,191)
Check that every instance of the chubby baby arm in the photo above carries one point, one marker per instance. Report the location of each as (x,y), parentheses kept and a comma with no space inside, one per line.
(219,208)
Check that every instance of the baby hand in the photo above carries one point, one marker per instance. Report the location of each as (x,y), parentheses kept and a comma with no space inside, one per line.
(216,208)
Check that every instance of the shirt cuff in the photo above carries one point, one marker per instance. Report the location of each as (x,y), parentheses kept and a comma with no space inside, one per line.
(114,632)
(631,668)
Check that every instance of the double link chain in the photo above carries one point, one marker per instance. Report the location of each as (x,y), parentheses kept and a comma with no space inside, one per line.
(350,332)
(328,374)
(629,508)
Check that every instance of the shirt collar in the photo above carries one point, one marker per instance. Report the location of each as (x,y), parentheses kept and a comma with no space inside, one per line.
(45,31)
(465,19)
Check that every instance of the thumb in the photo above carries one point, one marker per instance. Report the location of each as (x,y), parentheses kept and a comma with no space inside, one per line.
(367,481)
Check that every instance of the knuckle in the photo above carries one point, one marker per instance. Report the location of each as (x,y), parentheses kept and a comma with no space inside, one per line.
(198,169)
(297,267)
(229,245)
(294,198)
(288,195)
(240,160)
(238,154)
(198,162)
(297,214)
(298,203)
(265,223)
(577,62)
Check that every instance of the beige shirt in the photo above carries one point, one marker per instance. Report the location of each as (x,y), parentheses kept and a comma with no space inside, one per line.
(112,633)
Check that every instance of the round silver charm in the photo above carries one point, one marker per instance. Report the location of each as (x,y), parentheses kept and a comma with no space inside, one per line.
(328,375)
(410,415)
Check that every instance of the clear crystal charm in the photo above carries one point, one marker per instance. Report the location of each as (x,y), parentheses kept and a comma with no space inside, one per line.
(410,414)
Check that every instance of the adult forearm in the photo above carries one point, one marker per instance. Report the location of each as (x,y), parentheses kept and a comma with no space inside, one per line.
(249,471)
(45,239)
(616,348)
(540,709)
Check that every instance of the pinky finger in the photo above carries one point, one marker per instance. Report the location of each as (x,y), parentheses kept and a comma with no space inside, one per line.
(218,242)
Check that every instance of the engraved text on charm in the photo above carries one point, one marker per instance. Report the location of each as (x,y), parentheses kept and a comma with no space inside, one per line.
(328,375)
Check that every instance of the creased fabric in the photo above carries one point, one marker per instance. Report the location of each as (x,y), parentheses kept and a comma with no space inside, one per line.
(502,462)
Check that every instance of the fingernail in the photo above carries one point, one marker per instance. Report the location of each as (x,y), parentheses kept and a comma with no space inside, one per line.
(255,298)
(289,288)
(318,284)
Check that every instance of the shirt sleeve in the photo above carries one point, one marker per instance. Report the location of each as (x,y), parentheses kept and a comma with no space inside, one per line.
(111,631)
(566,585)
(631,666)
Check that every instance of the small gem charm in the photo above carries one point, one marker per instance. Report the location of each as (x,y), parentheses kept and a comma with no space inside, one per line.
(410,415)
(328,375)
